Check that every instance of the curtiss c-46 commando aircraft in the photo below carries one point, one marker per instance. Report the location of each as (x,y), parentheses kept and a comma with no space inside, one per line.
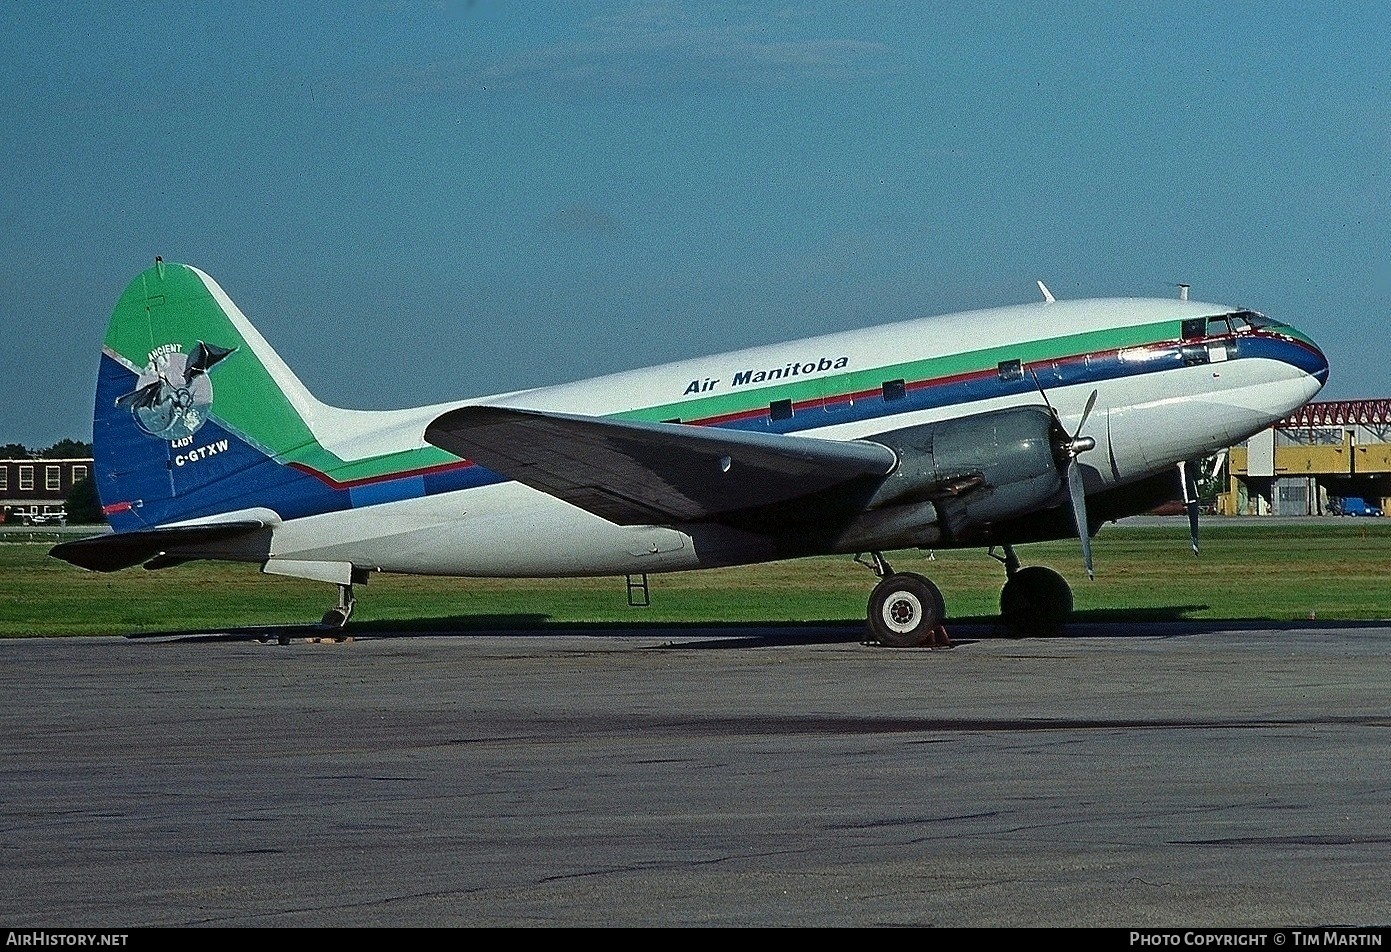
(990,428)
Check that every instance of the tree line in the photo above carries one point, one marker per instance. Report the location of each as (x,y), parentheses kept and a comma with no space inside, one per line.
(63,449)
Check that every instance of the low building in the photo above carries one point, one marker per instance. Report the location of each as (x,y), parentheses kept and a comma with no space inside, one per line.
(36,490)
(1327,458)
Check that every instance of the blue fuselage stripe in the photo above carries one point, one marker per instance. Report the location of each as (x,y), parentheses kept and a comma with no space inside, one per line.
(247,477)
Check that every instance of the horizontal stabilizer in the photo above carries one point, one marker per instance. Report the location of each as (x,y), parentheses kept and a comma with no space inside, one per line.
(634,473)
(108,553)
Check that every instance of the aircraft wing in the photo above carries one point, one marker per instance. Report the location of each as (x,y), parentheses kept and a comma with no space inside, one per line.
(635,473)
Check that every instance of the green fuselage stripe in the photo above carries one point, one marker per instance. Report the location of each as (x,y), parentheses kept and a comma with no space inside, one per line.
(170,305)
(917,371)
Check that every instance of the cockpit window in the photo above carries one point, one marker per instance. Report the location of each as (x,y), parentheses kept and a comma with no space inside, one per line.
(1254,320)
(1194,328)
(1218,326)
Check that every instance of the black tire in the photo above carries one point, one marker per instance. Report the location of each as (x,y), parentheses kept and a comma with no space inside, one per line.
(904,611)
(1036,601)
(334,619)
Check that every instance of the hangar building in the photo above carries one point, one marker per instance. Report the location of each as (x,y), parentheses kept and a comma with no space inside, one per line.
(1324,459)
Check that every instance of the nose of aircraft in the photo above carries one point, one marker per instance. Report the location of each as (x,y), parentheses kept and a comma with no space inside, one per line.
(1302,352)
(1316,363)
(1320,373)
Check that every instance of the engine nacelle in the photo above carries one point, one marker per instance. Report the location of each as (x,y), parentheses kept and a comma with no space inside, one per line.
(976,470)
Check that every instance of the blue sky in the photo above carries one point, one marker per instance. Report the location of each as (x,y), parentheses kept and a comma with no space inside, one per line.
(420,201)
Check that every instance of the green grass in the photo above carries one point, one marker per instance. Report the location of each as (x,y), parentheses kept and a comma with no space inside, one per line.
(1272,572)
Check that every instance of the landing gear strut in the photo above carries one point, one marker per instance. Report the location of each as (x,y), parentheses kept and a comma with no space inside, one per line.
(905,609)
(1035,600)
(336,618)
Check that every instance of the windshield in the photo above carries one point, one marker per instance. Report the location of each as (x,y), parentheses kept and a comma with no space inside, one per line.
(1253,320)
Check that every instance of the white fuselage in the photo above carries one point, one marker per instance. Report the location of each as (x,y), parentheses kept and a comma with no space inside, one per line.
(1142,422)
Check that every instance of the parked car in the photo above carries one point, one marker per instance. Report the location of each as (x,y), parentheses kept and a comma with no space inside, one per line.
(59,518)
(1355,506)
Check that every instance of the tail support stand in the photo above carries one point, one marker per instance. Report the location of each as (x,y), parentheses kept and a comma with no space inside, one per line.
(638,594)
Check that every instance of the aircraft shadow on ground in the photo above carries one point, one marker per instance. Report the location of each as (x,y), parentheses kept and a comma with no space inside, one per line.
(721,634)
(1158,622)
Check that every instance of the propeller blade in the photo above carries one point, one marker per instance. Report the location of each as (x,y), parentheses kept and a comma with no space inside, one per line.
(1079,513)
(1086,412)
(1217,463)
(1041,392)
(1066,451)
(1190,500)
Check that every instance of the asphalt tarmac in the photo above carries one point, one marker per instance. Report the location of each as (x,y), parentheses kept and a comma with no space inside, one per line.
(1174,774)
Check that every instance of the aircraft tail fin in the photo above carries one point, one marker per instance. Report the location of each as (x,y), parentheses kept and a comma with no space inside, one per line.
(196,415)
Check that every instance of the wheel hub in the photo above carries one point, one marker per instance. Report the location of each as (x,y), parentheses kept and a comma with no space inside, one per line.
(901,613)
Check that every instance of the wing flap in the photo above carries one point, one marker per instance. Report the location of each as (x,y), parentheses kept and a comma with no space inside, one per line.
(634,473)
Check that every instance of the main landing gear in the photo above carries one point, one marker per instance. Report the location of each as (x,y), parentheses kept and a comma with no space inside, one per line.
(1035,600)
(905,609)
(335,618)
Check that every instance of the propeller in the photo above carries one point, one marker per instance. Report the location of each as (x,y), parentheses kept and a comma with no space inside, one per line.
(1189,482)
(1066,448)
(1218,462)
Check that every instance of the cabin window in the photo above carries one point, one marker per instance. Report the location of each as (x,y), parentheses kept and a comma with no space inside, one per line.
(780,410)
(1011,370)
(26,478)
(895,389)
(1194,354)
(1194,328)
(52,478)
